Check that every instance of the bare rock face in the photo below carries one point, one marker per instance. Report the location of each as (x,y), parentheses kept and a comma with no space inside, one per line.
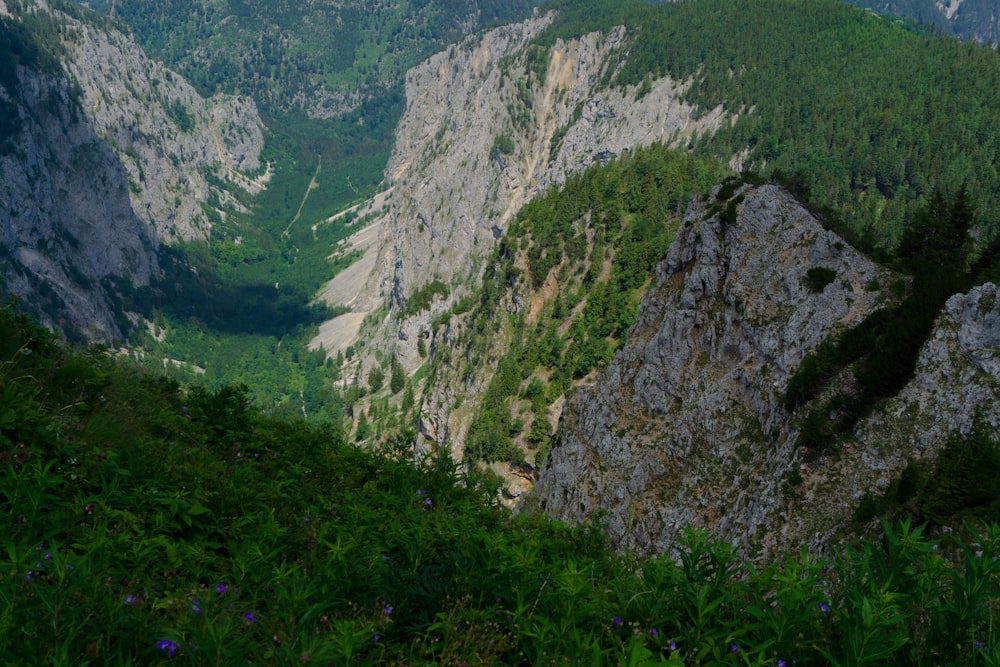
(687,425)
(173,143)
(103,155)
(67,231)
(489,124)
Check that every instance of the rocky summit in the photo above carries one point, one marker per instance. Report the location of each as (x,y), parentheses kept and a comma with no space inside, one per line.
(687,426)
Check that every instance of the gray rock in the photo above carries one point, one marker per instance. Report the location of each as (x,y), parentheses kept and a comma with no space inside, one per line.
(687,426)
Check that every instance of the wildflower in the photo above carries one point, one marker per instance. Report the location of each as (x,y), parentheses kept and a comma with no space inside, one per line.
(734,648)
(249,617)
(47,556)
(428,502)
(420,492)
(196,606)
(617,620)
(673,646)
(386,608)
(781,663)
(654,632)
(376,637)
(168,646)
(220,589)
(130,600)
(979,644)
(823,607)
(28,576)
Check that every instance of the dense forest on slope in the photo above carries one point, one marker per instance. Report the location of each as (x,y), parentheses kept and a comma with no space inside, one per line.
(870,116)
(147,523)
(967,19)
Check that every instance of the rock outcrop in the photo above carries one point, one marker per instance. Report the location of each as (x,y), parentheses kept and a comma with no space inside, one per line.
(104,154)
(489,123)
(687,425)
(178,148)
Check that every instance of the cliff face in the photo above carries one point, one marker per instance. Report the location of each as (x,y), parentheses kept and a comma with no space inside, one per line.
(66,225)
(687,425)
(104,154)
(489,123)
(178,148)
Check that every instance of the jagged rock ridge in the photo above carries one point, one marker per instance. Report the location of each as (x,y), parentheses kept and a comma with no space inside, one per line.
(687,425)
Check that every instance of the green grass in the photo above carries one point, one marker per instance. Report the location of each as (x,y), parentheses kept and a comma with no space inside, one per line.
(146,524)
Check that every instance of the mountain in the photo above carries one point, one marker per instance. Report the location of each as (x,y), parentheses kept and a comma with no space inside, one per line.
(505,293)
(689,426)
(322,57)
(977,20)
(108,155)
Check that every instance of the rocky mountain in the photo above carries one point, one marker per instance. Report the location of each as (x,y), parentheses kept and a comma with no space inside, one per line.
(324,57)
(687,426)
(106,155)
(514,112)
(512,120)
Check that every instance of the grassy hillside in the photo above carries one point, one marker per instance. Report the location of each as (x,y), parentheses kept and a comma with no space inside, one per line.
(146,524)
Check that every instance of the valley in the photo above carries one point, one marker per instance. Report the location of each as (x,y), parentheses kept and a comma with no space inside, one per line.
(676,290)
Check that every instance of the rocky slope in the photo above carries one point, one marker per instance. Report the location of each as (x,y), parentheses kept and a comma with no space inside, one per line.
(489,123)
(105,154)
(687,426)
(178,148)
(67,230)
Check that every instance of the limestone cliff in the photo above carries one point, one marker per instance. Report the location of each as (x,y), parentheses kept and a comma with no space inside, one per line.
(178,148)
(687,426)
(103,155)
(489,123)
(67,231)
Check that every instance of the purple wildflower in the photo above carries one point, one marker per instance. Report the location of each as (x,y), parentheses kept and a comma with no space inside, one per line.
(781,663)
(196,606)
(376,637)
(428,502)
(617,620)
(734,648)
(823,607)
(47,556)
(220,589)
(28,576)
(130,600)
(654,632)
(168,646)
(249,617)
(386,608)
(673,646)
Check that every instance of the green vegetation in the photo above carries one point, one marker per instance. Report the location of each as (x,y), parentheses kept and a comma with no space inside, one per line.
(144,523)
(597,239)
(962,483)
(882,350)
(423,296)
(819,93)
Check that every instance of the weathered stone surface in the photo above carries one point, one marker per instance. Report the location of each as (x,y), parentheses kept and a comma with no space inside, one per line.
(687,426)
(110,157)
(482,134)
